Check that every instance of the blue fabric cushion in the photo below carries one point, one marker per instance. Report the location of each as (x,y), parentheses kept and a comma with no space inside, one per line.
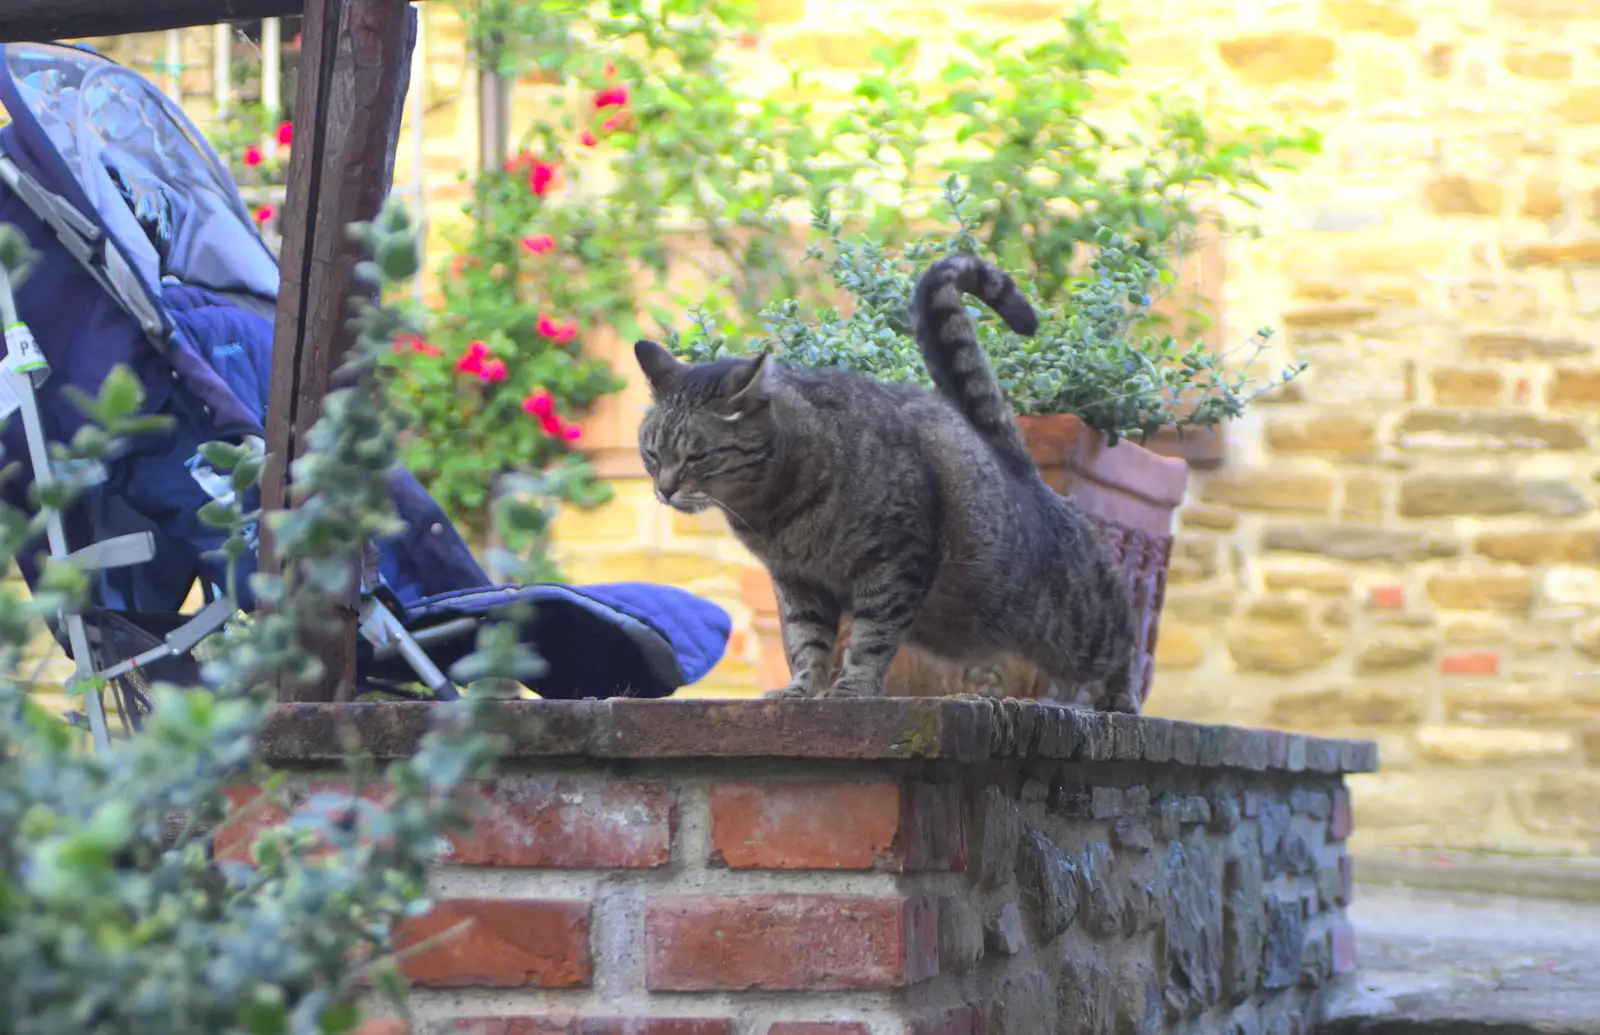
(613,639)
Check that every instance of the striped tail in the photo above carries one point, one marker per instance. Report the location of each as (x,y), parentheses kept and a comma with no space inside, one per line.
(949,339)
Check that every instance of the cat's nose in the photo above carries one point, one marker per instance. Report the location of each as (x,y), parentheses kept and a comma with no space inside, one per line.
(667,482)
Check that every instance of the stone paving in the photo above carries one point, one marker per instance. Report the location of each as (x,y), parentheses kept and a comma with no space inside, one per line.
(1444,962)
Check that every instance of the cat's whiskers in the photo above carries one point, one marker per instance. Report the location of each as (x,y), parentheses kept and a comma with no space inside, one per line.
(730,511)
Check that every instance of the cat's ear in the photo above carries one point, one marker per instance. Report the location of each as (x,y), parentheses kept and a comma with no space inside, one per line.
(747,386)
(659,365)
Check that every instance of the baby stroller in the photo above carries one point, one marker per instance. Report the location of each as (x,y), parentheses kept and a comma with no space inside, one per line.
(149,258)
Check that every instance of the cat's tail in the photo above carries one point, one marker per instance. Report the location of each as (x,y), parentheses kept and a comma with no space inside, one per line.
(949,339)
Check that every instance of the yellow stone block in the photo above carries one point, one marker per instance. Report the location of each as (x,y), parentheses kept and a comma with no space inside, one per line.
(618,519)
(706,523)
(1473,746)
(668,567)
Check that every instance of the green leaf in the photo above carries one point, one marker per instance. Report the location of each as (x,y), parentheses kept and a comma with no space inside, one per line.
(340,1019)
(121,395)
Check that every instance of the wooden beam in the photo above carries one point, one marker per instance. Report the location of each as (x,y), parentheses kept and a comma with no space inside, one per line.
(74,19)
(354,70)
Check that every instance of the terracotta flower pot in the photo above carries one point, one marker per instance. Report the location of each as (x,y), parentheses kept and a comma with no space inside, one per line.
(1129,492)
(766,625)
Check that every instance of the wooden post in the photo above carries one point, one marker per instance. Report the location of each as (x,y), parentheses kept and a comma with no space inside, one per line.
(354,70)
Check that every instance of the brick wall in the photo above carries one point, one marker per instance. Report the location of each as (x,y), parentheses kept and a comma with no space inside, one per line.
(905,867)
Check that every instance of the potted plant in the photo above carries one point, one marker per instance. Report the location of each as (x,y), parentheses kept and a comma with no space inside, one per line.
(1097,372)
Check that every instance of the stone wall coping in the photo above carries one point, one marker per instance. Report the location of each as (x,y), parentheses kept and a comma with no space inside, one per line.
(959,730)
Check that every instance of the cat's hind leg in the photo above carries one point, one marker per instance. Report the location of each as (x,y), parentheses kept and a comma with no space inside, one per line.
(881,616)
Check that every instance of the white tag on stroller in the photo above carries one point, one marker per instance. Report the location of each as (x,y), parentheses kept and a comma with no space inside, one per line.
(23,355)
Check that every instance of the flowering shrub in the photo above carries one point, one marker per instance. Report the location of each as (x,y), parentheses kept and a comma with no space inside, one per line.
(654,163)
(239,142)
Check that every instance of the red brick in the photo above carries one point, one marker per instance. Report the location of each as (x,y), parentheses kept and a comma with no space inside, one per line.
(966,1019)
(1388,598)
(1343,820)
(594,1026)
(1342,947)
(817,825)
(789,942)
(1470,663)
(235,837)
(510,943)
(1347,879)
(569,824)
(383,1026)
(819,1028)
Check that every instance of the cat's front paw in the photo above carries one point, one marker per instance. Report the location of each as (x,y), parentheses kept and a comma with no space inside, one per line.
(853,688)
(794,691)
(1125,703)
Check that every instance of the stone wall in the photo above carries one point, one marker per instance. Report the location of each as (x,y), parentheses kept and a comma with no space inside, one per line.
(875,867)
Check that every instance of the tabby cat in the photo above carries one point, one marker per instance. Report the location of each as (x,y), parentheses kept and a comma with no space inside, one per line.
(919,514)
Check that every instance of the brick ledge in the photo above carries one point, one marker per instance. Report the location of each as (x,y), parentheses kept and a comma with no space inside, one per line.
(933,729)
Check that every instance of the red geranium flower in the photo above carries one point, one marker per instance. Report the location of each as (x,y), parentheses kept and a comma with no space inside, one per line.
(615,122)
(543,174)
(252,156)
(472,361)
(265,213)
(558,332)
(539,404)
(285,134)
(587,138)
(552,425)
(539,244)
(573,432)
(493,371)
(611,97)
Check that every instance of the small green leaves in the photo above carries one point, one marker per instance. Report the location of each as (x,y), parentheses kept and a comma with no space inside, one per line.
(16,256)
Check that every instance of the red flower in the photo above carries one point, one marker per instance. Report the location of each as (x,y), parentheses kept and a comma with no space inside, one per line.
(252,156)
(610,69)
(285,134)
(539,404)
(493,371)
(557,332)
(587,138)
(543,174)
(539,244)
(265,213)
(573,432)
(415,344)
(614,121)
(472,361)
(552,425)
(611,97)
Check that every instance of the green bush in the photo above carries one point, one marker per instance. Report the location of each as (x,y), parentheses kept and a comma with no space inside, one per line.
(111,924)
(1094,354)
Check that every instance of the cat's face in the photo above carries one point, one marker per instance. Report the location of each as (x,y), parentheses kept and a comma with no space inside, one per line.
(709,434)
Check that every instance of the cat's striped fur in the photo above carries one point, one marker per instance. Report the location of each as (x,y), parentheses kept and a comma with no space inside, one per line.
(919,514)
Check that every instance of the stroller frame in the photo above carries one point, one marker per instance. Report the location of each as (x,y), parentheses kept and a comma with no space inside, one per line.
(107,177)
(23,369)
